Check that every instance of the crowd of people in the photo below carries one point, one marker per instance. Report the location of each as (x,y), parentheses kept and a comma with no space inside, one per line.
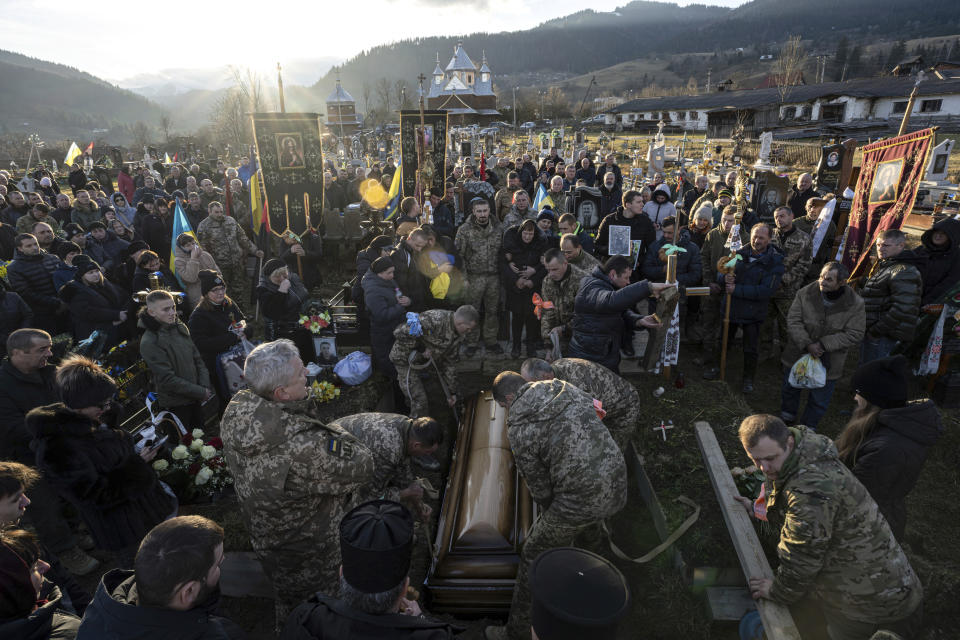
(330,505)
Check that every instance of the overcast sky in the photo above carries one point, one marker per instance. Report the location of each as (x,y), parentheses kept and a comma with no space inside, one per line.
(114,40)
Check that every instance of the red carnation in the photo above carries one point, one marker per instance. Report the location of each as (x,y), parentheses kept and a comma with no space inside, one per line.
(186,439)
(194,469)
(215,442)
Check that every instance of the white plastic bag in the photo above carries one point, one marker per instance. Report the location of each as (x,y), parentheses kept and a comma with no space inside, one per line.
(808,373)
(355,368)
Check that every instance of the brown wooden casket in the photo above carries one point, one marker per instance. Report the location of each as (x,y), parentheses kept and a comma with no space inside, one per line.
(485,516)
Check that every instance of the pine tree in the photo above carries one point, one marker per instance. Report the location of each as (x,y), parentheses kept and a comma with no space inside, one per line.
(897,53)
(853,62)
(840,57)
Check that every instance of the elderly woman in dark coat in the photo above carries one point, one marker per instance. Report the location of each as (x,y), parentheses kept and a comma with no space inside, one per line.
(378,248)
(94,467)
(522,272)
(281,295)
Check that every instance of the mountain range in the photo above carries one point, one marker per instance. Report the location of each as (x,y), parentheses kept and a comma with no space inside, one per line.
(62,101)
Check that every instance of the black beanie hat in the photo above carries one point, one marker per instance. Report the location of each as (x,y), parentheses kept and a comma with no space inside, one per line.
(136,245)
(381,242)
(272,265)
(18,596)
(209,279)
(883,382)
(376,541)
(381,264)
(576,594)
(67,247)
(84,265)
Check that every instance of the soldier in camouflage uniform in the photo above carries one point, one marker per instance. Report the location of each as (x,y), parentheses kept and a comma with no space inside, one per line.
(478,242)
(503,201)
(797,250)
(572,466)
(835,547)
(576,255)
(618,398)
(560,287)
(223,238)
(295,476)
(441,332)
(393,439)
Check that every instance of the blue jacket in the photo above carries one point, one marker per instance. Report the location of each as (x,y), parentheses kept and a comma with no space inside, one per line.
(689,269)
(601,315)
(757,281)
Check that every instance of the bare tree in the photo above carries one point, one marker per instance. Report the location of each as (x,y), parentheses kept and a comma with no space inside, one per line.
(788,67)
(166,124)
(383,94)
(141,134)
(367,91)
(229,119)
(556,104)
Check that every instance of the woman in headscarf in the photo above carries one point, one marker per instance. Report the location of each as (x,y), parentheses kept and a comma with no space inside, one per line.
(281,295)
(522,272)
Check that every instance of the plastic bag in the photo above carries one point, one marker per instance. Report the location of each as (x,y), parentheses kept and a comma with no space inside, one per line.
(808,373)
(355,368)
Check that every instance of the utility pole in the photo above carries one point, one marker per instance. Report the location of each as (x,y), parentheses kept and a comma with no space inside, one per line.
(280,85)
(514,108)
(709,73)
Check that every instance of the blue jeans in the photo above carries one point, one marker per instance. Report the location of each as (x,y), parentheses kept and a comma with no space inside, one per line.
(875,348)
(817,401)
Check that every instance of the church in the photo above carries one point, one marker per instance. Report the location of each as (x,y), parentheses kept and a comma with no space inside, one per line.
(463,90)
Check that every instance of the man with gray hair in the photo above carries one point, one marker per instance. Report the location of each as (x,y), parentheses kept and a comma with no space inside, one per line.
(295,476)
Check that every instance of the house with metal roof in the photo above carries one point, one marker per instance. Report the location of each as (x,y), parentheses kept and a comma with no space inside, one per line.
(462,89)
(836,106)
(342,116)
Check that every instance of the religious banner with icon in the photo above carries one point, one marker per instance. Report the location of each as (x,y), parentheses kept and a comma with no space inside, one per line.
(291,159)
(886,189)
(433,154)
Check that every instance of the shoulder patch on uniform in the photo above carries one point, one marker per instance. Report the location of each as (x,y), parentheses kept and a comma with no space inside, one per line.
(340,448)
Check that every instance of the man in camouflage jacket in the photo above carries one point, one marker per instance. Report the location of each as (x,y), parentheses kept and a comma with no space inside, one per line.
(223,238)
(478,243)
(796,248)
(714,247)
(440,334)
(572,466)
(835,546)
(393,439)
(560,288)
(619,401)
(295,478)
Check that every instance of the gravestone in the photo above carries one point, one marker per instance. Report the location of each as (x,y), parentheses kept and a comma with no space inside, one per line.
(766,140)
(939,162)
(586,206)
(769,192)
(833,170)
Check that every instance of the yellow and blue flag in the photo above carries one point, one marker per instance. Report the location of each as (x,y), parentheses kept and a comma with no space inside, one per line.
(180,225)
(72,154)
(542,199)
(393,204)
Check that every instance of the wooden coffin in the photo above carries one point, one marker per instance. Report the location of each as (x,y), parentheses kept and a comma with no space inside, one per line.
(485,516)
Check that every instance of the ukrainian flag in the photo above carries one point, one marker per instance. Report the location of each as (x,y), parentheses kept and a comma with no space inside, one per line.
(542,199)
(180,225)
(393,204)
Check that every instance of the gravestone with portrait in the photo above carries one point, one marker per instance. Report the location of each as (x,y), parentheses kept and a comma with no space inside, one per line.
(939,160)
(581,137)
(832,174)
(769,192)
(586,206)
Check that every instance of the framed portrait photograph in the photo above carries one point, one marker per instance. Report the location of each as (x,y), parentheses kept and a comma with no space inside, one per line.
(290,150)
(886,181)
(619,240)
(326,350)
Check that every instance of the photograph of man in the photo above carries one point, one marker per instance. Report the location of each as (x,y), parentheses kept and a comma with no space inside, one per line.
(327,351)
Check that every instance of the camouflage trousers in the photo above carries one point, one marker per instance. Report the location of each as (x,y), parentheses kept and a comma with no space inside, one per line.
(296,577)
(412,387)
(546,533)
(623,426)
(235,276)
(484,290)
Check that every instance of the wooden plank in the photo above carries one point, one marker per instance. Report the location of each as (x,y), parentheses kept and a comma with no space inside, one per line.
(777,621)
(649,496)
(729,604)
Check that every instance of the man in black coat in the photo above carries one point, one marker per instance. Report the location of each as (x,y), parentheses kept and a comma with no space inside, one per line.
(405,258)
(302,255)
(171,593)
(629,215)
(388,307)
(610,166)
(31,275)
(798,195)
(604,314)
(26,382)
(376,542)
(940,251)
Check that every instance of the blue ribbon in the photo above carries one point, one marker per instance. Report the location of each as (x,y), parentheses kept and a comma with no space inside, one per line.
(413,324)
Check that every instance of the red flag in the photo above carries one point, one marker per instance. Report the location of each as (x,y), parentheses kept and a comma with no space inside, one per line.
(228,199)
(89,148)
(176,155)
(483,166)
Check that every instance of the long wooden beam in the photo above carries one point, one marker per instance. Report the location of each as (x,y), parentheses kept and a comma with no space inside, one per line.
(777,621)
